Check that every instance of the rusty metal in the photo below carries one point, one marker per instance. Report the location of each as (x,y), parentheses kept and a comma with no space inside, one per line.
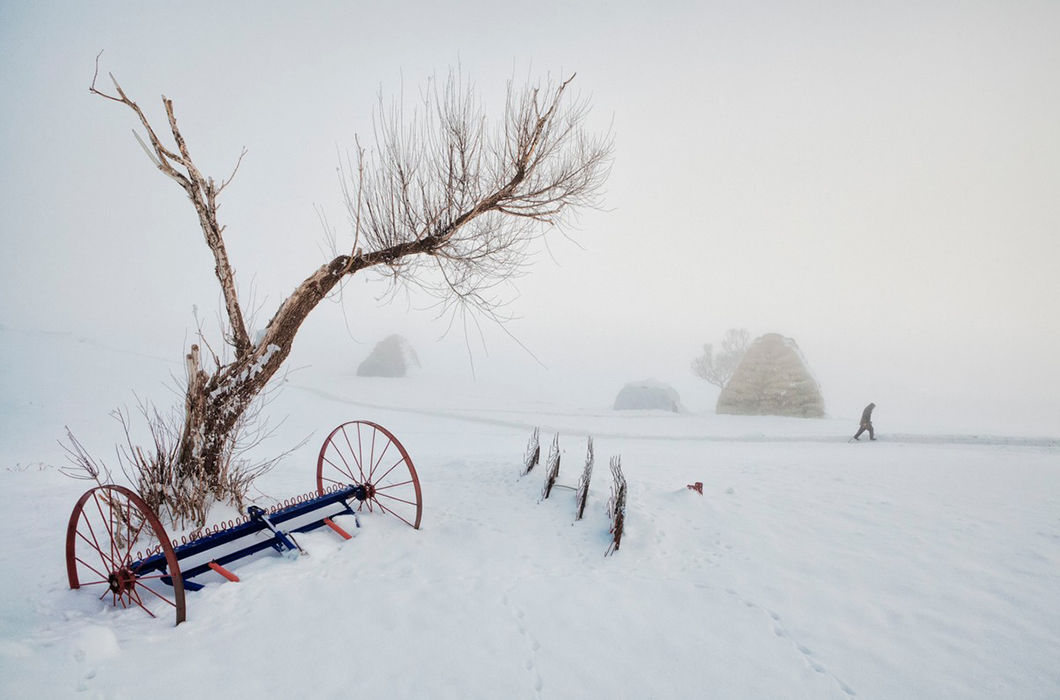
(358,452)
(121,574)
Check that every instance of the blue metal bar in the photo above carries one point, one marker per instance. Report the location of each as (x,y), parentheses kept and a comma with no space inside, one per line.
(283,540)
(259,522)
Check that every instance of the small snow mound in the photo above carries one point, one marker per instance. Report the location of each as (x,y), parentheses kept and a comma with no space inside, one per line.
(646,395)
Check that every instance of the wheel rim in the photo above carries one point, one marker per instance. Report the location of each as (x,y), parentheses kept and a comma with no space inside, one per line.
(111,533)
(366,454)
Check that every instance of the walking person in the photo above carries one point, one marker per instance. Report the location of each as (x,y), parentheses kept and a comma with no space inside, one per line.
(866,422)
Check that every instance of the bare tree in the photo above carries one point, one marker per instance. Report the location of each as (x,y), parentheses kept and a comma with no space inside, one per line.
(718,369)
(444,201)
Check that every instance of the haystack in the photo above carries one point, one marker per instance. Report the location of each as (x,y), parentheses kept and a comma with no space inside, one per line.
(392,357)
(773,379)
(646,395)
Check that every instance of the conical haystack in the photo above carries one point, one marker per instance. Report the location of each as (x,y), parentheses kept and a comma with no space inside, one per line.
(772,380)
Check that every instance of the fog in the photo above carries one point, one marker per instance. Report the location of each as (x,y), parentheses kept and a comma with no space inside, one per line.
(877,181)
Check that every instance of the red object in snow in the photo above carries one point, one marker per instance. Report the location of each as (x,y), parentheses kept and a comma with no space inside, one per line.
(223,571)
(697,487)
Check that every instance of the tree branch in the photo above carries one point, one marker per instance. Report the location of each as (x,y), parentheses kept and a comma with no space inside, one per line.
(203,194)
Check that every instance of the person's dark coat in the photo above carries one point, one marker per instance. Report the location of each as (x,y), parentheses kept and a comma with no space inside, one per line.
(866,415)
(866,423)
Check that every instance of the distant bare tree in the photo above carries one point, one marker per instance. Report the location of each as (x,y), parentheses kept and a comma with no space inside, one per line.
(718,369)
(446,201)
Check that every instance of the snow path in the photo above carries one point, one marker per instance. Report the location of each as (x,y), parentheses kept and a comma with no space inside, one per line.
(573,424)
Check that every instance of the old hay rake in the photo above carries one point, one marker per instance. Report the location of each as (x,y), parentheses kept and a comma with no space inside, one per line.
(115,544)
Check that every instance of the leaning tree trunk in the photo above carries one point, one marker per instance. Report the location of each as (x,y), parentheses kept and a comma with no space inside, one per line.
(215,404)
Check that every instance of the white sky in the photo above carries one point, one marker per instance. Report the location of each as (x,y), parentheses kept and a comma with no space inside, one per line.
(877,180)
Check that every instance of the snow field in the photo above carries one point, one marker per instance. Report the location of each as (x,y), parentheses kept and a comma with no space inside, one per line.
(809,568)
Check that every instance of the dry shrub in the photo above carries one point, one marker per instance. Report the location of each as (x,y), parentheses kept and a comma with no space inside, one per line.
(533,452)
(583,482)
(616,507)
(551,468)
(177,495)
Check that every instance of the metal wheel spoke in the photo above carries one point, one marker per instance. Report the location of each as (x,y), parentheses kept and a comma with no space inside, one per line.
(94,570)
(395,498)
(95,540)
(355,454)
(371,455)
(128,553)
(128,531)
(346,471)
(375,463)
(157,594)
(390,470)
(106,523)
(96,546)
(395,514)
(342,456)
(393,486)
(133,595)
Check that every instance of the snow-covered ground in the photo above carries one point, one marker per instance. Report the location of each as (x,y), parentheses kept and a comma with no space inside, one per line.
(924,565)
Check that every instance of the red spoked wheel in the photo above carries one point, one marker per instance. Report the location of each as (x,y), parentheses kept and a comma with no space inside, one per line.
(117,545)
(366,454)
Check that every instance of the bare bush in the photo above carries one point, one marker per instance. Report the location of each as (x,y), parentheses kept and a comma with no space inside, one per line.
(551,468)
(154,472)
(533,452)
(582,494)
(616,506)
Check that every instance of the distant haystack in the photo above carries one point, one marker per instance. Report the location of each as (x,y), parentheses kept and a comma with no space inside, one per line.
(772,380)
(648,394)
(392,357)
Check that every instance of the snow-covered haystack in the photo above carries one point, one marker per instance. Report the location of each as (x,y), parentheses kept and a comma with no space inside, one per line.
(392,357)
(648,394)
(772,379)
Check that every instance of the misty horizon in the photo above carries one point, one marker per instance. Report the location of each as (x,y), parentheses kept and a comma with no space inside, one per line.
(874,182)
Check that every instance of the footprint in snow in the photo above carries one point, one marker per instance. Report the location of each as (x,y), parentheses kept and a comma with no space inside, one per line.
(532,644)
